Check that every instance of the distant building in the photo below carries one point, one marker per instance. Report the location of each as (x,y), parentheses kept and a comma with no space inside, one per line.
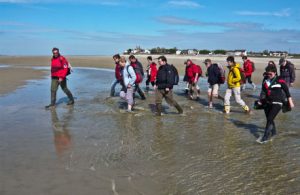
(278,53)
(242,52)
(192,52)
(178,52)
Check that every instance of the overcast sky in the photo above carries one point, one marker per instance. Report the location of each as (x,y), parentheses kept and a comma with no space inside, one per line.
(90,27)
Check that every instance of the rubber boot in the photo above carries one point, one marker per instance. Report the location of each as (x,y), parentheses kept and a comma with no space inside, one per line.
(71,98)
(227,109)
(179,109)
(53,100)
(247,109)
(158,110)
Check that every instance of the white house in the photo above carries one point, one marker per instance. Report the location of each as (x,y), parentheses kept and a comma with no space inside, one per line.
(178,52)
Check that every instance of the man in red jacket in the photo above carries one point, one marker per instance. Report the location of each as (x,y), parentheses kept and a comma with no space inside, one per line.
(248,68)
(59,71)
(118,75)
(151,73)
(192,74)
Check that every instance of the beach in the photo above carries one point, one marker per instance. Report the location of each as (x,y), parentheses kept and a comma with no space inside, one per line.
(16,75)
(95,147)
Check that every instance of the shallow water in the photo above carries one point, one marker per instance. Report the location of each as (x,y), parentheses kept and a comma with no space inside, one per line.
(96,148)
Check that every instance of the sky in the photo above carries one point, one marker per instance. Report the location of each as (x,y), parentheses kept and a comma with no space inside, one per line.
(103,27)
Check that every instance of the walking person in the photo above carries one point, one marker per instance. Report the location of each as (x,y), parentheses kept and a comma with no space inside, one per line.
(234,86)
(272,99)
(193,75)
(151,73)
(118,76)
(214,74)
(129,78)
(138,68)
(60,68)
(287,71)
(164,86)
(248,69)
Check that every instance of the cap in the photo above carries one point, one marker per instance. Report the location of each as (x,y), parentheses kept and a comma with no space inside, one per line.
(207,61)
(281,61)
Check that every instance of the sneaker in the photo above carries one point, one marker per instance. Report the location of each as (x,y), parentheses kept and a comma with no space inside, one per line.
(50,106)
(263,141)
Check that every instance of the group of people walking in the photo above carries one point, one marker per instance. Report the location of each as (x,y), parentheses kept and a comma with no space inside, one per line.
(129,74)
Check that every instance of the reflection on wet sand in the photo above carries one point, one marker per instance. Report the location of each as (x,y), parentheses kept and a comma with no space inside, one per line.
(62,136)
(96,148)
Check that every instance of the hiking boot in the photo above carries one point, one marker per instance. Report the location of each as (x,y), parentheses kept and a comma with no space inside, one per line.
(50,106)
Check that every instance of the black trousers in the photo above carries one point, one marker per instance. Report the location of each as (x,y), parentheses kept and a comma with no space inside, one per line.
(148,81)
(271,111)
(248,78)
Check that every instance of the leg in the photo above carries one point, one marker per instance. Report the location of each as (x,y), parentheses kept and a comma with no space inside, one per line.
(129,98)
(209,95)
(54,87)
(238,99)
(158,101)
(147,83)
(227,100)
(271,112)
(170,100)
(64,87)
(250,81)
(140,92)
(113,86)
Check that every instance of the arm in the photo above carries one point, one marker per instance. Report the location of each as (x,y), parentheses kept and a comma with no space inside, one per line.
(64,68)
(288,95)
(132,75)
(237,75)
(293,76)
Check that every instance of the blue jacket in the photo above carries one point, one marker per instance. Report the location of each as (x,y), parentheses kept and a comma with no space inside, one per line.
(129,76)
(213,74)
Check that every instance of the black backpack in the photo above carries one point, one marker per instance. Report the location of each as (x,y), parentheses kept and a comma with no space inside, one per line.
(139,68)
(174,75)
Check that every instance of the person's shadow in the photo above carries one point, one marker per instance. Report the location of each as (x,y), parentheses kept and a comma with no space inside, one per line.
(60,127)
(252,128)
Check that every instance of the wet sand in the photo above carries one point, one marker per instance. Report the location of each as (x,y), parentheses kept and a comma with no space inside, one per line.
(107,62)
(13,77)
(95,147)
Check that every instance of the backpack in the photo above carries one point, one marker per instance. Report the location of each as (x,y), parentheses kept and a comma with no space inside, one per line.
(243,76)
(222,77)
(199,70)
(174,75)
(253,66)
(139,77)
(138,67)
(61,58)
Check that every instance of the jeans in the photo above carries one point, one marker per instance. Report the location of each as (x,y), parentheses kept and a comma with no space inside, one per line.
(113,86)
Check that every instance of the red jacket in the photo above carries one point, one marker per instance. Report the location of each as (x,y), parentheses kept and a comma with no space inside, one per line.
(118,72)
(153,72)
(59,67)
(191,71)
(248,68)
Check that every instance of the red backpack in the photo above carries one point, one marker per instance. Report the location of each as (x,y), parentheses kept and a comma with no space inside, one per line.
(139,77)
